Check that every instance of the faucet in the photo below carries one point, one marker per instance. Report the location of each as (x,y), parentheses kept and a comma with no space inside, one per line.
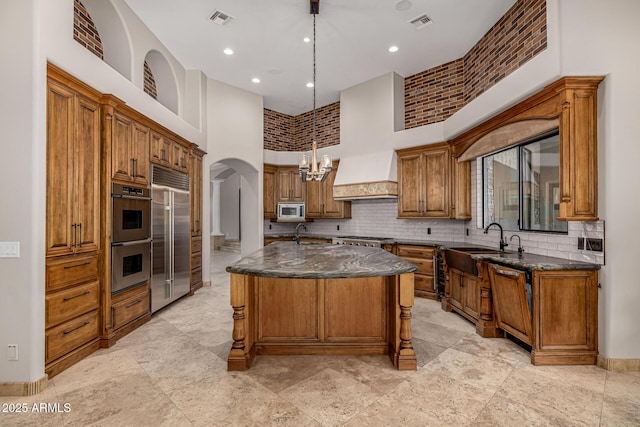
(297,238)
(520,248)
(503,243)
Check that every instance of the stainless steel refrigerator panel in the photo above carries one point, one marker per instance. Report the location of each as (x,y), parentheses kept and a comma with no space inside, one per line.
(182,243)
(170,213)
(161,272)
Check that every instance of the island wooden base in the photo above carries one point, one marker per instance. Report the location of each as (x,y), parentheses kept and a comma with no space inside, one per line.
(350,316)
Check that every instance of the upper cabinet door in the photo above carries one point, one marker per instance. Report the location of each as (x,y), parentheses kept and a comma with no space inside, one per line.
(73,167)
(87,175)
(121,156)
(410,185)
(60,173)
(435,180)
(140,154)
(160,150)
(269,191)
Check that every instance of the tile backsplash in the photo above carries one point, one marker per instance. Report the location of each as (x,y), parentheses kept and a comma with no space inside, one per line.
(377,217)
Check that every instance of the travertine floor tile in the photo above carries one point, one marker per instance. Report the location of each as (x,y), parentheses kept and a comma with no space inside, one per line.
(236,400)
(172,371)
(329,397)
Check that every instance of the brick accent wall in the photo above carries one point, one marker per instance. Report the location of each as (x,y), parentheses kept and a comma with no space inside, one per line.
(294,133)
(327,127)
(278,131)
(434,95)
(517,37)
(149,82)
(84,30)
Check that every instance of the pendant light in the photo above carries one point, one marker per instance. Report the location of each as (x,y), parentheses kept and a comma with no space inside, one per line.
(314,171)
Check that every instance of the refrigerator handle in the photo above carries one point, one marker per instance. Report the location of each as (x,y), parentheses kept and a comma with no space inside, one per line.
(172,243)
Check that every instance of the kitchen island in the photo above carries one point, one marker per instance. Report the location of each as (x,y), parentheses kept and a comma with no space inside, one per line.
(321,299)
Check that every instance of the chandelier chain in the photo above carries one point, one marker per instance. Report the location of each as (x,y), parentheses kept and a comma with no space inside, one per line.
(314,77)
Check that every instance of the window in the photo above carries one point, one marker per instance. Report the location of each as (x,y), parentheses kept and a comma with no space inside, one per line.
(521,186)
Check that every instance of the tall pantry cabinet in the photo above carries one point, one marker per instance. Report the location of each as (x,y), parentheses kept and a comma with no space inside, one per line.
(72,284)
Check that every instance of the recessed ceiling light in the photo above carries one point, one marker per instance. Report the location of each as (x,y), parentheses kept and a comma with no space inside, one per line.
(255,80)
(403,5)
(228,51)
(310,84)
(306,39)
(393,49)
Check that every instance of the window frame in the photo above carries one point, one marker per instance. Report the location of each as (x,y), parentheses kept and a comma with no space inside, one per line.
(519,146)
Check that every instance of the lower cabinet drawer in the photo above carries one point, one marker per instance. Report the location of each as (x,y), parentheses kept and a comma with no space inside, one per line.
(196,276)
(425,266)
(423,282)
(415,251)
(64,305)
(196,244)
(71,335)
(127,310)
(71,271)
(196,260)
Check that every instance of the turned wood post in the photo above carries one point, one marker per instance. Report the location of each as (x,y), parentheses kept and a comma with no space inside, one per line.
(406,355)
(237,360)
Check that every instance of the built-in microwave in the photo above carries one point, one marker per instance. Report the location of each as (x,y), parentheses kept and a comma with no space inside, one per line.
(290,211)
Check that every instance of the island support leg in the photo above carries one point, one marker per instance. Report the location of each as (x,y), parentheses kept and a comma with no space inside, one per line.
(242,351)
(403,356)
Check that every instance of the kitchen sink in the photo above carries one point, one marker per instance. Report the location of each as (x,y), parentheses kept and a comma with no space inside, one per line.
(477,250)
(460,258)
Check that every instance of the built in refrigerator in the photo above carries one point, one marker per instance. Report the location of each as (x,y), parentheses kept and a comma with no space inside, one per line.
(170,225)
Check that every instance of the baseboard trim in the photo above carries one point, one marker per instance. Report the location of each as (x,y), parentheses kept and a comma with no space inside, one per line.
(24,389)
(618,364)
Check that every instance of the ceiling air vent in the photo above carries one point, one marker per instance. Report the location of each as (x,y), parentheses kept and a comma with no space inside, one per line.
(420,21)
(220,17)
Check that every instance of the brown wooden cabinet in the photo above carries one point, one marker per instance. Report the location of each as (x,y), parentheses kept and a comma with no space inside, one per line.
(558,317)
(464,294)
(461,190)
(290,186)
(180,157)
(269,180)
(196,220)
(161,150)
(73,172)
(424,177)
(423,258)
(72,282)
(319,199)
(130,150)
(569,105)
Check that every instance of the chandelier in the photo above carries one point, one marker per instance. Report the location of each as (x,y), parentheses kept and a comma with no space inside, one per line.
(314,170)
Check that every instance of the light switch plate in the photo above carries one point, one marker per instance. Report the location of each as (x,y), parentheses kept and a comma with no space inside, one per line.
(9,249)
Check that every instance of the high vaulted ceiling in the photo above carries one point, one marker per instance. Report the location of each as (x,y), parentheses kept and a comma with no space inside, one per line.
(353,38)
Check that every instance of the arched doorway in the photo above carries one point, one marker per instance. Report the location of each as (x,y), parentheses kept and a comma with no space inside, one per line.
(235,208)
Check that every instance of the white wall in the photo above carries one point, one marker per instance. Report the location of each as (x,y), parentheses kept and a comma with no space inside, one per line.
(235,139)
(22,167)
(603,40)
(230,208)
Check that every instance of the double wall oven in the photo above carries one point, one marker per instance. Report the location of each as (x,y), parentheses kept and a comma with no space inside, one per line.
(130,237)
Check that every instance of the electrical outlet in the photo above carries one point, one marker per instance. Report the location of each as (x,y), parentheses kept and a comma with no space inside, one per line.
(580,242)
(269,226)
(594,245)
(338,227)
(12,352)
(467,231)
(428,230)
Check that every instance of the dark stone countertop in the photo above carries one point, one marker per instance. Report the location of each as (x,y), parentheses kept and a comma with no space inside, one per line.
(320,261)
(510,258)
(535,262)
